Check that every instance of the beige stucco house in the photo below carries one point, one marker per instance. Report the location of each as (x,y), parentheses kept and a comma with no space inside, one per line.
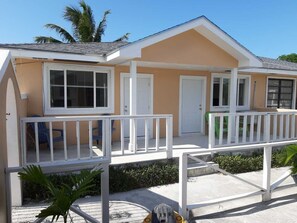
(185,71)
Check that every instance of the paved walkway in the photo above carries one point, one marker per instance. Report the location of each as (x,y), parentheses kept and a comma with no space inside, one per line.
(281,209)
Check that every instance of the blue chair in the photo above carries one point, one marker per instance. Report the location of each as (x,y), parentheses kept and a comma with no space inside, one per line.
(44,134)
(98,131)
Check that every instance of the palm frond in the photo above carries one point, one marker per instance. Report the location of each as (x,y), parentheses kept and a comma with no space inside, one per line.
(66,36)
(73,15)
(46,39)
(86,26)
(33,174)
(101,27)
(123,38)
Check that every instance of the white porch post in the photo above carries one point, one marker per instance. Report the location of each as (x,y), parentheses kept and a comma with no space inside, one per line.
(233,100)
(133,104)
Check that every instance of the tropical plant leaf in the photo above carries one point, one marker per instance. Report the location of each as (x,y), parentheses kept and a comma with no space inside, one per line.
(46,39)
(62,32)
(123,38)
(34,174)
(101,27)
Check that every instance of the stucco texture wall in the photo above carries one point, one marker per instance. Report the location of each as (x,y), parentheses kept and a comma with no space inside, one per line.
(21,109)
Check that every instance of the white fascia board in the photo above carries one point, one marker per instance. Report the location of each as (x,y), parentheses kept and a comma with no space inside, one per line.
(58,56)
(269,71)
(224,41)
(5,58)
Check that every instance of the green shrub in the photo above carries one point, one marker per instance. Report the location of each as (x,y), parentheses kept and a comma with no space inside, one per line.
(243,163)
(120,179)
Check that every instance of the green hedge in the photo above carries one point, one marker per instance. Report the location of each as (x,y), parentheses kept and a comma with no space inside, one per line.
(127,178)
(243,164)
(120,179)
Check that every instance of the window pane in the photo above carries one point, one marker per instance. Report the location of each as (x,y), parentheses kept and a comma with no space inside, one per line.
(80,89)
(80,97)
(101,79)
(226,84)
(57,88)
(280,93)
(79,78)
(101,97)
(216,92)
(57,97)
(241,90)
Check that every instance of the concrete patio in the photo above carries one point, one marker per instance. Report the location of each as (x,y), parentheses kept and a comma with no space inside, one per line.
(185,143)
(282,207)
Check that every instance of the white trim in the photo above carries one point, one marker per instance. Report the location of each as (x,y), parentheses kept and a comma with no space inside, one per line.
(203,102)
(5,58)
(58,111)
(35,54)
(283,78)
(226,108)
(201,25)
(269,71)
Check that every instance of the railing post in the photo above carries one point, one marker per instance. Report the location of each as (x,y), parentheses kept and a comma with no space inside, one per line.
(107,140)
(105,193)
(183,179)
(24,142)
(267,173)
(169,137)
(211,131)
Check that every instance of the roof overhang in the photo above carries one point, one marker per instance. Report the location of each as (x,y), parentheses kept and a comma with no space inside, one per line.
(5,58)
(269,71)
(202,25)
(47,55)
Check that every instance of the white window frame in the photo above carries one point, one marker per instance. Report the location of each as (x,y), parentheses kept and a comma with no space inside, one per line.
(284,78)
(247,92)
(48,110)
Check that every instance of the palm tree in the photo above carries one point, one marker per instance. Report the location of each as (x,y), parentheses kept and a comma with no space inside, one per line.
(62,196)
(83,26)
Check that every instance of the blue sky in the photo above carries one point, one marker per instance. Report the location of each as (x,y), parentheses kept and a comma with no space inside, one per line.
(266,27)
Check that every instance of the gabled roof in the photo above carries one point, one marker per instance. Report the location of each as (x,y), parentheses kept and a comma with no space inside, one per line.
(203,26)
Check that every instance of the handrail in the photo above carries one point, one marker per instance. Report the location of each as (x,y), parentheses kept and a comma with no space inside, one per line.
(106,146)
(265,190)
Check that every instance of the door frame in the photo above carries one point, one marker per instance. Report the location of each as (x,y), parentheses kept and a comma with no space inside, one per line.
(203,100)
(141,75)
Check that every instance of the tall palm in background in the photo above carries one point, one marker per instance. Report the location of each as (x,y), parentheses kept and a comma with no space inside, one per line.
(83,26)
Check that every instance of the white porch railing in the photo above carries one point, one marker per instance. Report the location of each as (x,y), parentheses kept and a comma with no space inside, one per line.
(227,129)
(85,151)
(264,188)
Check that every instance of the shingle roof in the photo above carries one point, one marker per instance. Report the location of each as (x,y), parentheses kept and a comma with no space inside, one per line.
(106,47)
(76,48)
(277,64)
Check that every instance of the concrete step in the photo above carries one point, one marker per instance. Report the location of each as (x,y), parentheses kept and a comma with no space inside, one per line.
(195,169)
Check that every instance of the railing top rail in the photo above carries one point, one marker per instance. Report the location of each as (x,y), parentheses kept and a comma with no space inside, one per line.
(241,147)
(64,166)
(91,118)
(253,113)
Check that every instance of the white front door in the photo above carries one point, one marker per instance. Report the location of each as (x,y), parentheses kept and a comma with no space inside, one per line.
(144,100)
(191,104)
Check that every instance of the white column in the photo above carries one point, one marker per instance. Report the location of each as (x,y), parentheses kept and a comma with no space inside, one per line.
(233,100)
(233,90)
(133,104)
